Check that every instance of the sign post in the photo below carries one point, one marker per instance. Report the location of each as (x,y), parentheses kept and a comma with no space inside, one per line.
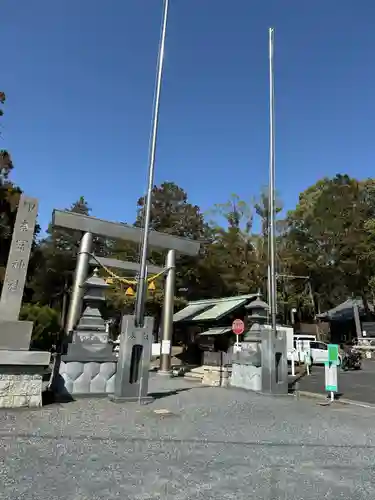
(238,327)
(331,370)
(307,361)
(292,363)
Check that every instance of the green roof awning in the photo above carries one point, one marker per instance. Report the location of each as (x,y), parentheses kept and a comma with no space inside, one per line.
(217,331)
(188,311)
(221,309)
(211,309)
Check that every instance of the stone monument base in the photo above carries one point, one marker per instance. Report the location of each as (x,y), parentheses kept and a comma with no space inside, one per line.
(15,335)
(21,375)
(246,376)
(85,378)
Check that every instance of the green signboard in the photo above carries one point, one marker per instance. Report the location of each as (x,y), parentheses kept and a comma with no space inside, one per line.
(333,354)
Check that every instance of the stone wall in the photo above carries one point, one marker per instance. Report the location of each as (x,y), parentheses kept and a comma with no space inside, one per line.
(18,390)
(246,376)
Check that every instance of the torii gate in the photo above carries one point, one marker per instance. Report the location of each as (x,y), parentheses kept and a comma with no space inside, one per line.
(90,226)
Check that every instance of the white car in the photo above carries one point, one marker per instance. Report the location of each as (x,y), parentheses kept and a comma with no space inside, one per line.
(319,353)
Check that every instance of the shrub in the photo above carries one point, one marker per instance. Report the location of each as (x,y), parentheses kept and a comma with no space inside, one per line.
(46,325)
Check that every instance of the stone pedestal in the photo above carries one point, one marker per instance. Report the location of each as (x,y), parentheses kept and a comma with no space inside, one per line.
(86,378)
(247,365)
(21,375)
(15,335)
(131,382)
(246,376)
(89,366)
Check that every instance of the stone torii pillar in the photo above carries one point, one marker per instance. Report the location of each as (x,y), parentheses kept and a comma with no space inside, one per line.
(80,276)
(167,316)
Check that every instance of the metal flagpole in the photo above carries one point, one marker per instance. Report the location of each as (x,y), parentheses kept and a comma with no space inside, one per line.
(141,288)
(272,235)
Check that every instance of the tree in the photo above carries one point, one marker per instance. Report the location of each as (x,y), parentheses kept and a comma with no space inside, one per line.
(46,323)
(172,213)
(261,240)
(2,100)
(9,198)
(6,164)
(55,260)
(326,238)
(232,251)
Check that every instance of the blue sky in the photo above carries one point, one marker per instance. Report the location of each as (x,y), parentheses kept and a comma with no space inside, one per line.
(79,76)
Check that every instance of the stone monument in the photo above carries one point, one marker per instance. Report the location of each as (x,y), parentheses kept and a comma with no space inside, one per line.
(20,369)
(89,366)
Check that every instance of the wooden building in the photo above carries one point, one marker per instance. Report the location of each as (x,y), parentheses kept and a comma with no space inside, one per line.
(204,326)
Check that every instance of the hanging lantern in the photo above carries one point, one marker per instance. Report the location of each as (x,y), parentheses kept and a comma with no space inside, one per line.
(109,281)
(152,286)
(129,291)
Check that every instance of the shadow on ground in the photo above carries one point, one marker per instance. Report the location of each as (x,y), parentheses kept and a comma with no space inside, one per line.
(293,382)
(49,398)
(165,394)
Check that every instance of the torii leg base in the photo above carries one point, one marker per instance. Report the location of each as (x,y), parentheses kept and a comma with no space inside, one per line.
(142,400)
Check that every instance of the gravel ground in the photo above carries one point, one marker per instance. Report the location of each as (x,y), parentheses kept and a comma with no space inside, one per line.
(214,444)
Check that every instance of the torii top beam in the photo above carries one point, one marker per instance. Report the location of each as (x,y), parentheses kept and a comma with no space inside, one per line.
(119,231)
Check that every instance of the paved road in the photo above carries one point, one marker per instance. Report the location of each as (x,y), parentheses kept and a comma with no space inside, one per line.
(214,444)
(356,385)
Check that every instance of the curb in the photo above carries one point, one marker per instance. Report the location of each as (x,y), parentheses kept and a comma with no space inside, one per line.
(316,395)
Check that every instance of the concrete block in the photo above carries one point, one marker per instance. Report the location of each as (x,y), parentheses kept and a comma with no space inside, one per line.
(246,376)
(15,335)
(24,358)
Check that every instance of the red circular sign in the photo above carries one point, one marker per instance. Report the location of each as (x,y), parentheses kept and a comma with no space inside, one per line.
(238,326)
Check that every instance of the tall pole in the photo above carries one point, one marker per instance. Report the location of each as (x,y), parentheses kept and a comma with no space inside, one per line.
(141,288)
(272,234)
(167,318)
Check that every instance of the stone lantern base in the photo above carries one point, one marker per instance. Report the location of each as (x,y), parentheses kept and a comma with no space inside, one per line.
(90,366)
(86,378)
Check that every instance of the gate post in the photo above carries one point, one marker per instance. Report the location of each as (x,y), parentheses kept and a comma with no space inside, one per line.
(167,318)
(80,276)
